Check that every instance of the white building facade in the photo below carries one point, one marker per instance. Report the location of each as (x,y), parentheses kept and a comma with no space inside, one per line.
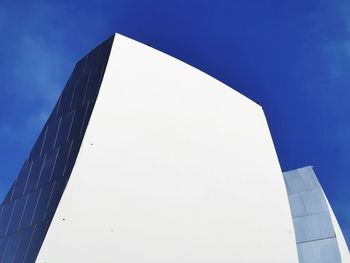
(147,159)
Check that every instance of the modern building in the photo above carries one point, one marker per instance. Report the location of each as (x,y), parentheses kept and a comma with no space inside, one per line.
(147,159)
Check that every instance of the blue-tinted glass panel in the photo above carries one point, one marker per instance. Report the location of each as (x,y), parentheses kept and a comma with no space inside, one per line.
(93,85)
(77,122)
(55,197)
(17,214)
(92,60)
(3,242)
(29,209)
(105,50)
(34,175)
(79,91)
(60,162)
(65,126)
(65,101)
(36,241)
(23,244)
(87,116)
(73,152)
(51,136)
(5,217)
(36,151)
(21,181)
(48,166)
(42,203)
(11,248)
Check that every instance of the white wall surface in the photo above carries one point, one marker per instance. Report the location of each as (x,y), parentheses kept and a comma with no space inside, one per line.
(343,248)
(174,167)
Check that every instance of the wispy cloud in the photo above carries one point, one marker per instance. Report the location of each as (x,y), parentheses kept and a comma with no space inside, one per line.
(35,121)
(39,69)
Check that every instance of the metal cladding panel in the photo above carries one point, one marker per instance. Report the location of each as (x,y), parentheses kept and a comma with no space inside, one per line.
(313,227)
(300,180)
(313,219)
(30,204)
(319,251)
(314,201)
(174,167)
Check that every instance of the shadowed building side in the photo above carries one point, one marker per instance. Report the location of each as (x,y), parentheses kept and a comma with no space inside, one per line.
(27,210)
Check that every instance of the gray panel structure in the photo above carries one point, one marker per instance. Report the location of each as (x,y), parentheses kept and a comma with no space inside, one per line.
(314,231)
(28,208)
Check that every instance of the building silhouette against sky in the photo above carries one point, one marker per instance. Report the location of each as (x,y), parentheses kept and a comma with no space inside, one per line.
(147,159)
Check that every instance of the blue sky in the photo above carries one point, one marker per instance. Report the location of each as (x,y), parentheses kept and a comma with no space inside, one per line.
(291,56)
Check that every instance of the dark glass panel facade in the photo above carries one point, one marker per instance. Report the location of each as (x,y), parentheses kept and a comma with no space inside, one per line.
(5,217)
(21,181)
(28,208)
(34,175)
(11,247)
(28,212)
(23,244)
(48,166)
(16,214)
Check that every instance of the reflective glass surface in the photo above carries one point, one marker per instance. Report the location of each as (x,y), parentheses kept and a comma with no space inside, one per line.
(17,214)
(11,248)
(42,204)
(34,175)
(3,243)
(36,151)
(36,240)
(65,126)
(5,217)
(61,160)
(51,134)
(28,208)
(49,164)
(26,236)
(21,181)
(65,101)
